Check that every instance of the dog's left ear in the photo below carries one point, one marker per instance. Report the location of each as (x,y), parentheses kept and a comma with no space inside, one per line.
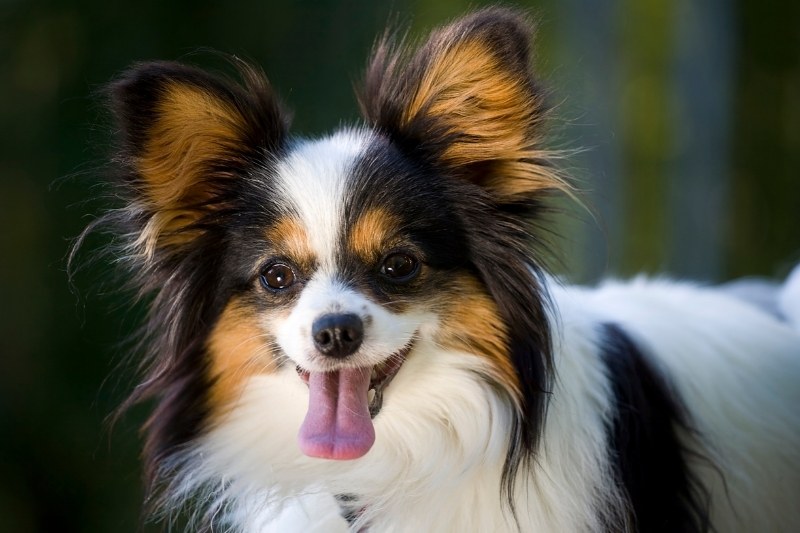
(466,101)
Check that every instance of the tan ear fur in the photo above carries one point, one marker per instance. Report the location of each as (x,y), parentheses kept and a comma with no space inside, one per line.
(185,137)
(467,97)
(489,112)
(193,134)
(193,129)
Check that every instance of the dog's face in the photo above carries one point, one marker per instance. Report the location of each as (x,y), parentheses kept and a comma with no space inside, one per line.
(355,262)
(357,253)
(343,258)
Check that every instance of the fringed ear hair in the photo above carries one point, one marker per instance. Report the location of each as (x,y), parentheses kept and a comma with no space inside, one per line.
(186,143)
(185,136)
(466,100)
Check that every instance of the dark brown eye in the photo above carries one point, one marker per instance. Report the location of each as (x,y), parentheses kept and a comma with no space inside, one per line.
(400,267)
(278,276)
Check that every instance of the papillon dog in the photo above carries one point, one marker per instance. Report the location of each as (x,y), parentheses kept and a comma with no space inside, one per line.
(357,333)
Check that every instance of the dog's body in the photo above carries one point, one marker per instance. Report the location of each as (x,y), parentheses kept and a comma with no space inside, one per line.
(436,462)
(353,332)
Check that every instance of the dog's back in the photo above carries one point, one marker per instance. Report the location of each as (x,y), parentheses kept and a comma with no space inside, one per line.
(734,366)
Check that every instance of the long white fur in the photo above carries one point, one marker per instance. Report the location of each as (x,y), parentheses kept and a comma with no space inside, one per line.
(441,437)
(789,299)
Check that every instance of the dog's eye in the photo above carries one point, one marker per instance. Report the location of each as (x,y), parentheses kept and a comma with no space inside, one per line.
(278,276)
(400,267)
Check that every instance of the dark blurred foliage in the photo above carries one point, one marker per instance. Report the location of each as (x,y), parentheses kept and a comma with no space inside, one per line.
(689,114)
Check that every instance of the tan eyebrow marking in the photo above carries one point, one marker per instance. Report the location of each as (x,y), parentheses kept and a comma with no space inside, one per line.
(371,232)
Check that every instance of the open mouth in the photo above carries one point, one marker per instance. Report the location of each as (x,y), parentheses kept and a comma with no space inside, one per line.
(380,376)
(341,406)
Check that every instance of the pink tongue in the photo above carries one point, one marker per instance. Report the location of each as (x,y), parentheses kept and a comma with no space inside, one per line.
(337,424)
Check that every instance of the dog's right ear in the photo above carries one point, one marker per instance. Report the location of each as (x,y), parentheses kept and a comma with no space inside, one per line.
(185,139)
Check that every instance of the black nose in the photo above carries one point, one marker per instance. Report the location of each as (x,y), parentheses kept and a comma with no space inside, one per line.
(337,335)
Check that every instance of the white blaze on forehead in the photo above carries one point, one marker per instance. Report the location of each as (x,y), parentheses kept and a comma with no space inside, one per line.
(313,180)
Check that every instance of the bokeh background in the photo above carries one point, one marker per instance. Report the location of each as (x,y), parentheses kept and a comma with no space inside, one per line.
(686,114)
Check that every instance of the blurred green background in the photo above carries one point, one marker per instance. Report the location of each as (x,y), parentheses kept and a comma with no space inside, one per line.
(687,114)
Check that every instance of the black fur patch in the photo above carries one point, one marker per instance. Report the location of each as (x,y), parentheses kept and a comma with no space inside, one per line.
(649,458)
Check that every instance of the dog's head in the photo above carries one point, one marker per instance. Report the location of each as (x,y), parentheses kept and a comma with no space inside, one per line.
(339,257)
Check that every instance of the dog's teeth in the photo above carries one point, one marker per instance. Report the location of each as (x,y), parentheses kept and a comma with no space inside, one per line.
(375,402)
(371,395)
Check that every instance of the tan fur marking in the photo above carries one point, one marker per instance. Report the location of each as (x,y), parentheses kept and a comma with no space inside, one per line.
(290,238)
(471,322)
(370,234)
(193,128)
(238,348)
(468,89)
